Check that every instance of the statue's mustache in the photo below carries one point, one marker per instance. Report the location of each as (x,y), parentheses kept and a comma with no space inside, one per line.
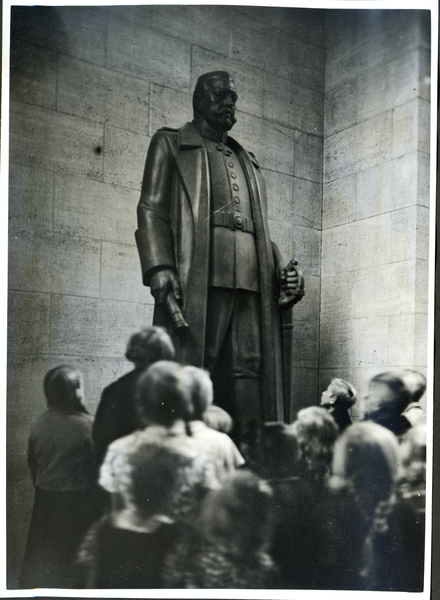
(229,112)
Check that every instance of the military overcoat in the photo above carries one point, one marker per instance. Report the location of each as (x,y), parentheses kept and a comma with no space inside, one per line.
(173,233)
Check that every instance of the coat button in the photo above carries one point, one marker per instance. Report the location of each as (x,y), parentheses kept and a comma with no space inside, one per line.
(235,187)
(234,176)
(236,200)
(238,221)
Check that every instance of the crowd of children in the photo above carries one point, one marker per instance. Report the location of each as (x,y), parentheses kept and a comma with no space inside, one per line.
(154,493)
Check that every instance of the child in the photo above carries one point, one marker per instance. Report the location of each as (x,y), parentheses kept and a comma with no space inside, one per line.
(229,550)
(219,445)
(126,549)
(166,404)
(382,535)
(388,397)
(294,548)
(338,398)
(316,432)
(63,470)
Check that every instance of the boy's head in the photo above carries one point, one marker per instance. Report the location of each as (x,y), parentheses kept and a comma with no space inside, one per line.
(387,398)
(238,514)
(339,394)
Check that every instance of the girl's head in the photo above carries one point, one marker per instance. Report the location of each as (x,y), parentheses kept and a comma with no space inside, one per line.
(316,432)
(149,345)
(199,385)
(63,388)
(164,393)
(365,462)
(238,514)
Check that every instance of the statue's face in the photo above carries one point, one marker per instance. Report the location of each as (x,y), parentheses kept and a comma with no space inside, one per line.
(217,104)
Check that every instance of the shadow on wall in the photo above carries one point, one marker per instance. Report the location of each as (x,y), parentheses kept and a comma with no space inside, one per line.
(31,24)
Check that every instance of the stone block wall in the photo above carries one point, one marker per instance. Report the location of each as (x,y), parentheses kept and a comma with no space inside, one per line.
(375,214)
(336,109)
(89,87)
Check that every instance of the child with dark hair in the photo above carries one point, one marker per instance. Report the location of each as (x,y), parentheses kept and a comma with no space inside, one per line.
(229,547)
(157,478)
(119,412)
(63,470)
(294,548)
(164,395)
(276,453)
(389,397)
(127,548)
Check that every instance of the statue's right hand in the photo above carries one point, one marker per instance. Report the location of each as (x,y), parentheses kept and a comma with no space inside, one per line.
(162,283)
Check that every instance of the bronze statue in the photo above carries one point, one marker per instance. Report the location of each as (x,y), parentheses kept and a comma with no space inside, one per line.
(206,253)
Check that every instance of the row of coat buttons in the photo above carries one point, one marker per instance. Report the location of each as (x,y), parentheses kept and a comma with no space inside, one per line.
(235,187)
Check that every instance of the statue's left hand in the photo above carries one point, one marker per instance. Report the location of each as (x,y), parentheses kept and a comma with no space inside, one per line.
(291,282)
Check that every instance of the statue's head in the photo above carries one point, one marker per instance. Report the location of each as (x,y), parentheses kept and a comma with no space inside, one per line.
(214,100)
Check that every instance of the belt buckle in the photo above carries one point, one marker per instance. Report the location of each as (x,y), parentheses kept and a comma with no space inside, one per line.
(238,221)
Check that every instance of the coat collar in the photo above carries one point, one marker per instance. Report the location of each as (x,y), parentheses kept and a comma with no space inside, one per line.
(190,138)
